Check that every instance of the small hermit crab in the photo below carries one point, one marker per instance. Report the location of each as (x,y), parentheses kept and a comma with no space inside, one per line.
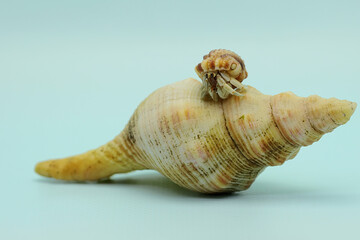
(221,72)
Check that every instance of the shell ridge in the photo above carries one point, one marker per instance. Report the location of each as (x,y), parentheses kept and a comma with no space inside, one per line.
(277,126)
(232,139)
(309,120)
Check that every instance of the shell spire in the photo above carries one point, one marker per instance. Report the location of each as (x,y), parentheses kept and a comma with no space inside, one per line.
(271,129)
(304,120)
(208,146)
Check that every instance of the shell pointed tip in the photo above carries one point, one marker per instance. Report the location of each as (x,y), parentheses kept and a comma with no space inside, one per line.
(41,169)
(347,109)
(327,114)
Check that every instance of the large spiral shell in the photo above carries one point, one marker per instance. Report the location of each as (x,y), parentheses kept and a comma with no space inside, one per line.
(208,146)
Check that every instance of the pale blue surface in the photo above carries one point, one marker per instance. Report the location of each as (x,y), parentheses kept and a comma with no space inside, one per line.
(73,72)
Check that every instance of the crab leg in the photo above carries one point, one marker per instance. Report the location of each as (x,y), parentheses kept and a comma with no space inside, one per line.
(213,95)
(226,87)
(204,92)
(205,88)
(233,81)
(220,90)
(225,94)
(222,93)
(225,76)
(237,84)
(232,91)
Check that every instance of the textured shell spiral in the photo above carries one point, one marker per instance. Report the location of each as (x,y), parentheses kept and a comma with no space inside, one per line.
(208,146)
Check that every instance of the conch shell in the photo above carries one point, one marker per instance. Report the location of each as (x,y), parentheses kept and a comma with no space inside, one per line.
(208,146)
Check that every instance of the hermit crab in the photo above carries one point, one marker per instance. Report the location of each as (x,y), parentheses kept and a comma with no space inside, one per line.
(221,72)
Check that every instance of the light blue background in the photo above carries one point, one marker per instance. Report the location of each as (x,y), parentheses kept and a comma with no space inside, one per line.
(73,72)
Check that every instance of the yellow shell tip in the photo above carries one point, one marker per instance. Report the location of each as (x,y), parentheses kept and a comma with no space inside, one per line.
(344,112)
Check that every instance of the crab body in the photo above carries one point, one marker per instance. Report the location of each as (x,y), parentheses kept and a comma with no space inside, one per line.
(221,72)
